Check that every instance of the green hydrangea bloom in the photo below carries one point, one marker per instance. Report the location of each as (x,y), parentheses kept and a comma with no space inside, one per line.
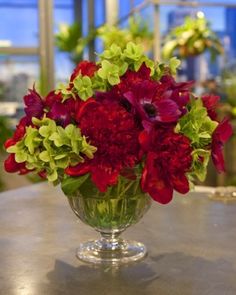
(51,148)
(198,127)
(83,86)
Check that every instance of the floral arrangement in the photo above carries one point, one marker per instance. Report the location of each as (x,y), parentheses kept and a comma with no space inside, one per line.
(194,37)
(121,120)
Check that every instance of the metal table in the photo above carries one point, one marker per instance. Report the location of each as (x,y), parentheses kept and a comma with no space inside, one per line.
(191,242)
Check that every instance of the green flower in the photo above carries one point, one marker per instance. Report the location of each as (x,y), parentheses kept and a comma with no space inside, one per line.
(51,148)
(114,52)
(198,127)
(83,86)
(65,91)
(109,72)
(196,124)
(133,52)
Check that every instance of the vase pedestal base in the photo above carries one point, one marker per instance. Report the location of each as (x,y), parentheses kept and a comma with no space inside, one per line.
(116,251)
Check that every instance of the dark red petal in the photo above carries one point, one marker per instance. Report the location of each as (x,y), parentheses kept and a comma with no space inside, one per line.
(11,165)
(85,68)
(218,157)
(144,140)
(43,174)
(155,183)
(223,131)
(103,179)
(9,142)
(168,111)
(51,98)
(180,183)
(83,107)
(78,170)
(34,104)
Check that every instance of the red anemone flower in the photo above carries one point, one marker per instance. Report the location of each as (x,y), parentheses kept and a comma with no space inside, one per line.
(150,105)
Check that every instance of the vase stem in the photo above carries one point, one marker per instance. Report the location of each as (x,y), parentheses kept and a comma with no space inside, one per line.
(111,241)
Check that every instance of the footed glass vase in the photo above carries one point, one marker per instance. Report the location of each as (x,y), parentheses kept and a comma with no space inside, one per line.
(110,215)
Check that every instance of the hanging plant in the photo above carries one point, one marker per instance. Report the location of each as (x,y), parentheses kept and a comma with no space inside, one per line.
(193,38)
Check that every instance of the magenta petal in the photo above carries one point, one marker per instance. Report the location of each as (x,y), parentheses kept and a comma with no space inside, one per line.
(168,111)
(60,114)
(34,104)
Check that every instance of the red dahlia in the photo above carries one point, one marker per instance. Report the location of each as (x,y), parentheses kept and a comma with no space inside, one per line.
(113,130)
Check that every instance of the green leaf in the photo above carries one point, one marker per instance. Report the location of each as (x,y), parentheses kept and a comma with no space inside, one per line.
(44,156)
(71,184)
(20,157)
(52,176)
(200,162)
(174,64)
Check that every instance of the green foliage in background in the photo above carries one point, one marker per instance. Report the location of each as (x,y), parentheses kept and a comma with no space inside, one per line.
(70,39)
(137,31)
(194,37)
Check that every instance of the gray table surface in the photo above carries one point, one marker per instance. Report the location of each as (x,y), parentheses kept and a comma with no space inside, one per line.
(191,243)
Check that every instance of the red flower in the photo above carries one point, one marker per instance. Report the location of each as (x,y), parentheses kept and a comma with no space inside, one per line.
(168,160)
(131,78)
(12,166)
(179,92)
(85,68)
(113,130)
(51,98)
(63,113)
(149,103)
(34,105)
(210,102)
(221,134)
(19,133)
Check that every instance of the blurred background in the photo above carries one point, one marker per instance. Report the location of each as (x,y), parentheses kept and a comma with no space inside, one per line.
(42,40)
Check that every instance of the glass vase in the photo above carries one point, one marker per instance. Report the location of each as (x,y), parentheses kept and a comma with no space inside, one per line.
(110,215)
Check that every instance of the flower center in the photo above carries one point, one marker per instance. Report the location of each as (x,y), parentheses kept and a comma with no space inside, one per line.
(150,109)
